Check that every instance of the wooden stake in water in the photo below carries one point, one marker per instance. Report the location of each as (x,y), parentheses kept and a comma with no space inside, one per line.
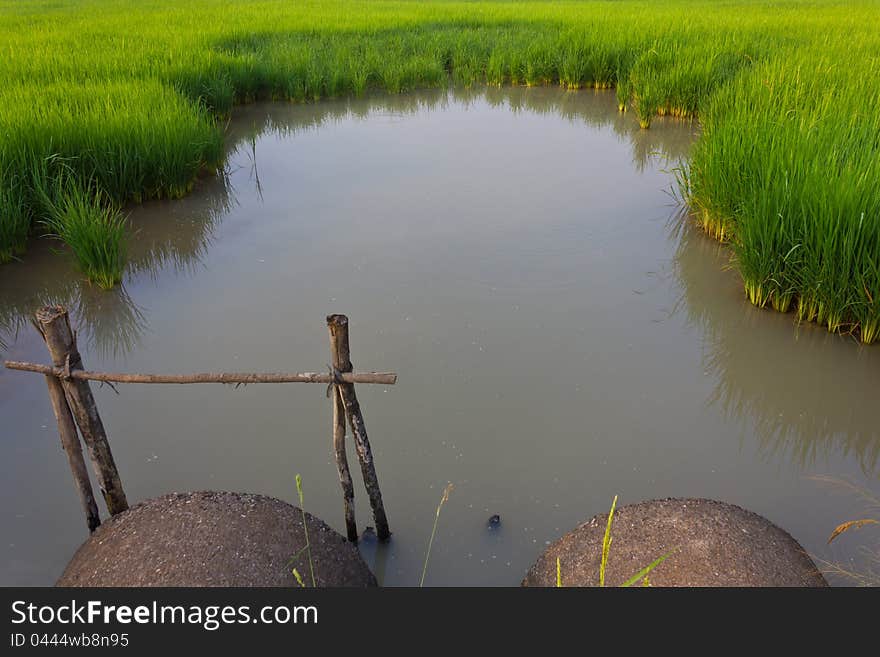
(73,449)
(341,359)
(342,465)
(54,324)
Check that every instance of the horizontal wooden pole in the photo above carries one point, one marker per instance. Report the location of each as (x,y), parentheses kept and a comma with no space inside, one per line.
(385,378)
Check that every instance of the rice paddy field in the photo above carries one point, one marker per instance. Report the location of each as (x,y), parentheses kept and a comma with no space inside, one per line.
(105,103)
(109,102)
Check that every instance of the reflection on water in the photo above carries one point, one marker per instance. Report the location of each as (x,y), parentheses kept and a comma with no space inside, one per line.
(807,394)
(178,234)
(508,252)
(114,324)
(644,144)
(111,322)
(180,244)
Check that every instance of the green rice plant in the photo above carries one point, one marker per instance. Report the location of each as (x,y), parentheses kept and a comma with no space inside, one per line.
(93,229)
(573,67)
(443,499)
(360,77)
(540,68)
(798,195)
(623,91)
(498,67)
(645,84)
(15,219)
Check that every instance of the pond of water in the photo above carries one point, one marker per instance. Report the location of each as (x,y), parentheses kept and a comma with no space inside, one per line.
(513,255)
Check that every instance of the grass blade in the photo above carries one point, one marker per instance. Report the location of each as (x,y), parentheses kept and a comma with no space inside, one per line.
(606,543)
(308,547)
(443,499)
(643,573)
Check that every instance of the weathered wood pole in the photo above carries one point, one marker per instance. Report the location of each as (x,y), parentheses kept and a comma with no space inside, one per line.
(342,465)
(341,358)
(387,378)
(54,324)
(71,446)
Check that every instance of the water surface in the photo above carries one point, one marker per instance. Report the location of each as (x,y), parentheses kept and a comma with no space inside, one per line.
(513,255)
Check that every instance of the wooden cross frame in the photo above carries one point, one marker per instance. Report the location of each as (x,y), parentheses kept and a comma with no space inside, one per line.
(74,406)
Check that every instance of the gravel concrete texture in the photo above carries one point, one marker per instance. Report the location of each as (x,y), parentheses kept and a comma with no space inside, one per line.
(712,544)
(214,539)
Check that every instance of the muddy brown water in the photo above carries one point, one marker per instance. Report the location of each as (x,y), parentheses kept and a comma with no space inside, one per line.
(513,255)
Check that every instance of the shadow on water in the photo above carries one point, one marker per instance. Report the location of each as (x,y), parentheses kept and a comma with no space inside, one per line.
(776,382)
(111,322)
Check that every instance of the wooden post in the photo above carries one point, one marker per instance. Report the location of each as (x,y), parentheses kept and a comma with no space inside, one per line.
(54,324)
(70,443)
(340,353)
(342,465)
